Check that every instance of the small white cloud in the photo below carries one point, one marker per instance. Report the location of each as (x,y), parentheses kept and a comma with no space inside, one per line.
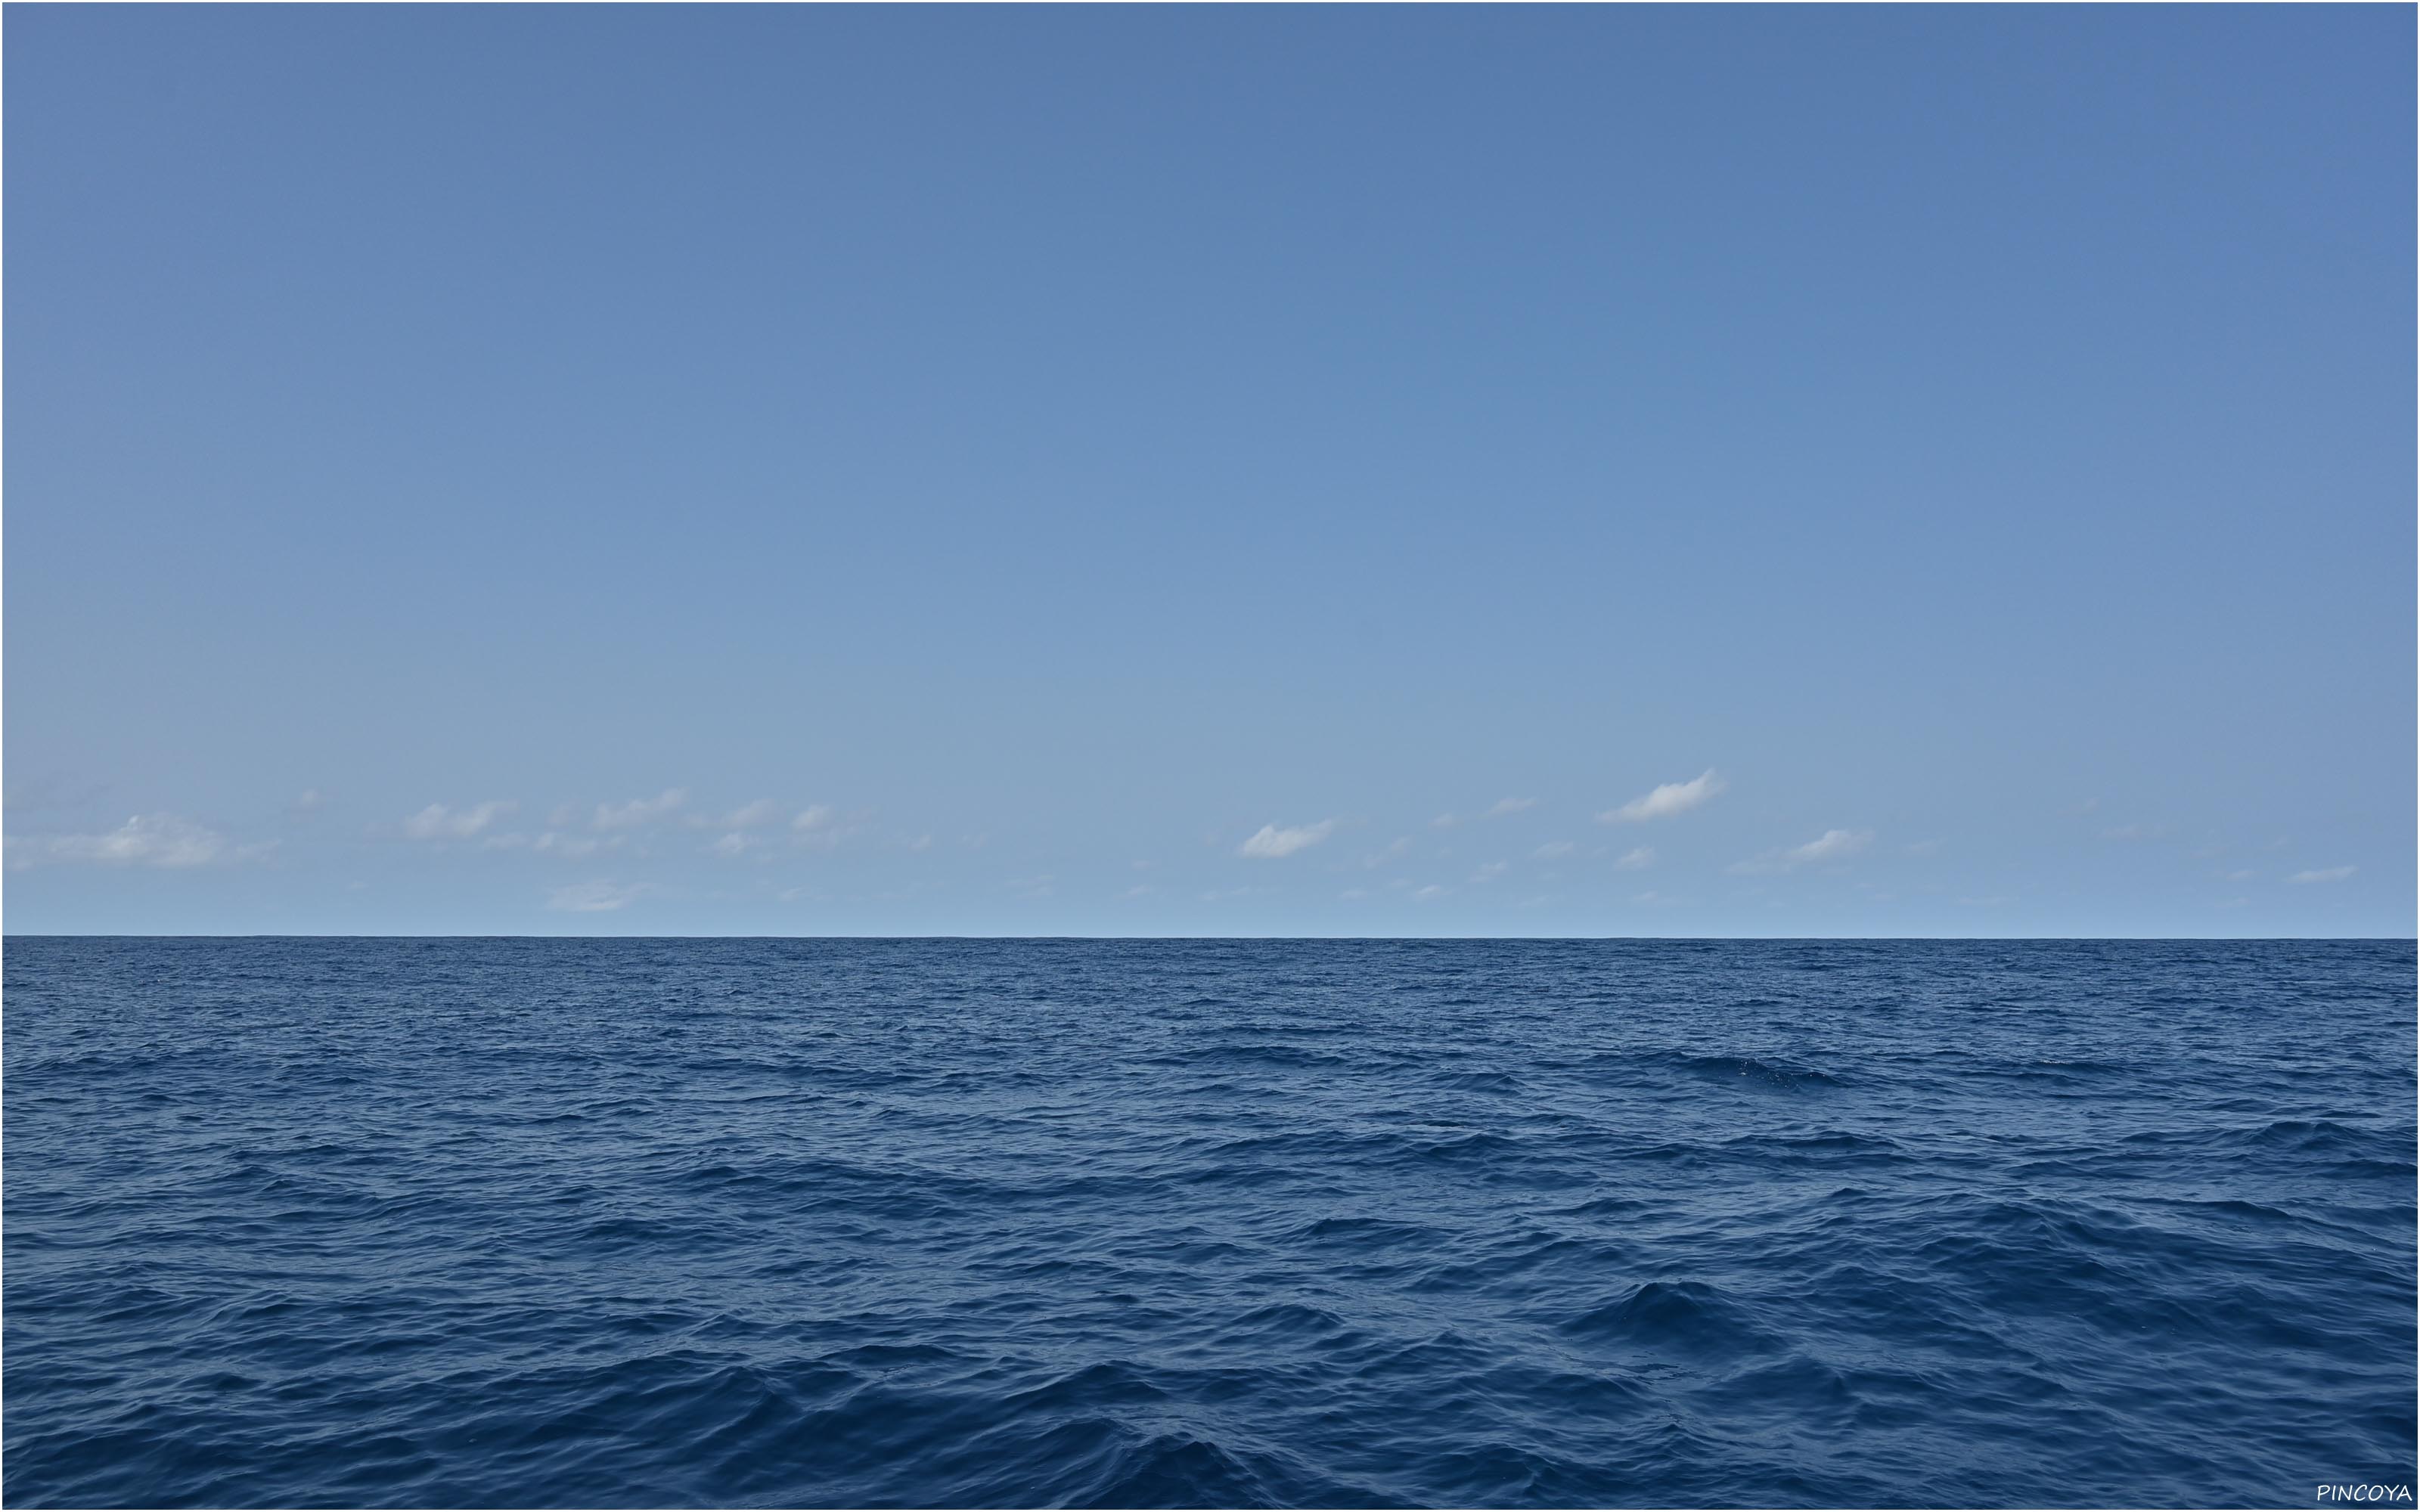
(1552,850)
(1831,845)
(1636,859)
(639,812)
(1354,894)
(1921,847)
(1444,821)
(761,815)
(311,800)
(1270,841)
(2245,874)
(144,840)
(437,821)
(1509,806)
(2331,874)
(1432,891)
(595,897)
(1401,846)
(2132,832)
(1140,890)
(736,843)
(821,827)
(1668,800)
(1490,871)
(921,842)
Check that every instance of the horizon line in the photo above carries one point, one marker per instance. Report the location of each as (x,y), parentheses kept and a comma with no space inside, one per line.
(1272,939)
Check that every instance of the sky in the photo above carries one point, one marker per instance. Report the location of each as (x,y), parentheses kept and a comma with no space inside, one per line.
(1209,471)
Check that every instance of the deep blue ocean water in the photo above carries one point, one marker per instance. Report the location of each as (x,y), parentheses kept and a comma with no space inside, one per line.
(1020,1223)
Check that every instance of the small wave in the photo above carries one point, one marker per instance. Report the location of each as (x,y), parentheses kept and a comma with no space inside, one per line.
(1325,1223)
(1693,1318)
(1749,1070)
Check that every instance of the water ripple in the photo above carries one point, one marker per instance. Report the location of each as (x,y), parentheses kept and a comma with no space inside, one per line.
(1343,1224)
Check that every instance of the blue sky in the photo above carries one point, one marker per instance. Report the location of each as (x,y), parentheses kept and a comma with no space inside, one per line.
(1083,471)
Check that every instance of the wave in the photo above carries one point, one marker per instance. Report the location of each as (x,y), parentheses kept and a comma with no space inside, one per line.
(1329,1224)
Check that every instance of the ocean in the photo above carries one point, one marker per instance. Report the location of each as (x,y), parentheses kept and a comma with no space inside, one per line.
(1230,1222)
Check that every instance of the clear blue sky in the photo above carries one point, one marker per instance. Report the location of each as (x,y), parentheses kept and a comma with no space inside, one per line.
(1244,470)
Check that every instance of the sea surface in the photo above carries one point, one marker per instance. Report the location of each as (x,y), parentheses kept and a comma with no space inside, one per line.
(944,1223)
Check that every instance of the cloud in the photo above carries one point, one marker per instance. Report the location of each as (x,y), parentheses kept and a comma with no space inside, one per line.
(1831,845)
(1272,843)
(1401,846)
(437,821)
(1432,891)
(1668,800)
(145,839)
(1490,871)
(639,812)
(761,815)
(1501,808)
(735,843)
(1354,894)
(554,842)
(2332,873)
(1552,850)
(595,897)
(821,826)
(1638,859)
(311,800)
